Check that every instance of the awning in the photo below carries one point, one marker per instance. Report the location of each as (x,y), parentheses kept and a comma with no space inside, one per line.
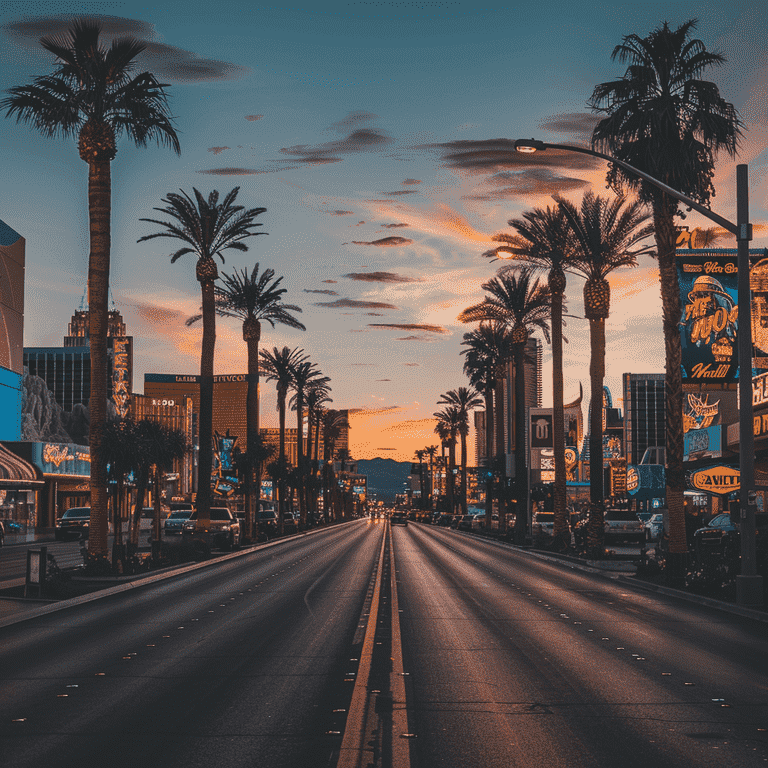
(15,472)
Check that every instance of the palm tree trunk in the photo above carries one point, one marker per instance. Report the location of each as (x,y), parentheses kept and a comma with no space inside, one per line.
(300,459)
(501,454)
(595,533)
(488,396)
(665,236)
(561,530)
(521,473)
(205,432)
(463,499)
(281,463)
(252,426)
(99,213)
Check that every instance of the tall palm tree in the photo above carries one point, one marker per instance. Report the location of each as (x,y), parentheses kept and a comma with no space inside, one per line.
(447,428)
(663,118)
(305,376)
(544,239)
(463,400)
(93,96)
(317,396)
(519,300)
(608,234)
(252,299)
(333,421)
(431,451)
(208,228)
(279,365)
(419,454)
(489,347)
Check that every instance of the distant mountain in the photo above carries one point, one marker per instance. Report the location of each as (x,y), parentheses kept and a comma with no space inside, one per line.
(386,477)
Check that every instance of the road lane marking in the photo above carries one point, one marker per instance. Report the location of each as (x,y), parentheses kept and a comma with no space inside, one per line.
(354,751)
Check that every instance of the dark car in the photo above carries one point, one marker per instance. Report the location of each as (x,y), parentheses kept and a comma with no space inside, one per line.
(224,529)
(399,518)
(174,523)
(444,520)
(720,537)
(290,523)
(74,523)
(268,522)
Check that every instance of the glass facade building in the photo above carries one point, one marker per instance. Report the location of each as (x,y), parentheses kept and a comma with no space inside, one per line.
(644,415)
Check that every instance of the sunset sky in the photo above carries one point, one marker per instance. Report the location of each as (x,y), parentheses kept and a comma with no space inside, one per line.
(377,135)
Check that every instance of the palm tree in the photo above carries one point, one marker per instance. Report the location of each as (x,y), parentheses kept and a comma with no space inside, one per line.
(279,365)
(317,396)
(208,228)
(663,118)
(332,423)
(488,348)
(253,299)
(420,456)
(544,239)
(431,451)
(517,299)
(93,96)
(447,427)
(305,376)
(606,232)
(463,400)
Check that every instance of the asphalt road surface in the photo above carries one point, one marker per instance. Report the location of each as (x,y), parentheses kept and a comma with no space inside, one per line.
(508,660)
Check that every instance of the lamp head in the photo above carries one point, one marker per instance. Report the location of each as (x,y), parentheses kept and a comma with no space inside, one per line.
(529,146)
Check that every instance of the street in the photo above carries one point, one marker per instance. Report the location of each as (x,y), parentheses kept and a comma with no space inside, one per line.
(508,659)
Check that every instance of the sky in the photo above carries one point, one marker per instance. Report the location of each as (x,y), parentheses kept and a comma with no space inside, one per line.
(377,136)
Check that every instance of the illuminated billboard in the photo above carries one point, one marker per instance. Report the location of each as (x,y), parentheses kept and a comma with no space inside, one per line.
(709,324)
(12,248)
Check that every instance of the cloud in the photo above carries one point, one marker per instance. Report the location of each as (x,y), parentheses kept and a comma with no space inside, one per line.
(486,155)
(375,314)
(377,411)
(410,327)
(233,171)
(387,449)
(253,117)
(316,290)
(383,379)
(578,125)
(338,213)
(356,304)
(167,62)
(330,281)
(399,192)
(385,242)
(412,181)
(394,226)
(353,120)
(535,181)
(411,365)
(359,140)
(217,150)
(415,338)
(363,365)
(381,277)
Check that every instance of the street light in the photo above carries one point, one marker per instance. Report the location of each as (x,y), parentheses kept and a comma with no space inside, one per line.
(748,583)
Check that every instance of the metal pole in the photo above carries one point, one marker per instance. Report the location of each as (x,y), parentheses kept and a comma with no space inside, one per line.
(749,585)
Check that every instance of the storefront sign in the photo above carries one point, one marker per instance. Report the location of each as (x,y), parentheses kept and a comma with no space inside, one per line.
(716,481)
(703,443)
(62,458)
(760,390)
(121,374)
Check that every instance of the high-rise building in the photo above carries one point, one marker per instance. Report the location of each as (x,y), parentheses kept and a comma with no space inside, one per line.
(12,255)
(644,415)
(66,370)
(533,365)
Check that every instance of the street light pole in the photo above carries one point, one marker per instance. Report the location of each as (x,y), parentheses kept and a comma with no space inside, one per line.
(749,584)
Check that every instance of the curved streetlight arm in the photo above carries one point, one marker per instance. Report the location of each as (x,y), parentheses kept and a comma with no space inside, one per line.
(532,145)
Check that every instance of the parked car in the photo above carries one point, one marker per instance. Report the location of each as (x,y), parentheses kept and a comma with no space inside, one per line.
(268,522)
(399,518)
(654,527)
(623,525)
(174,523)
(73,523)
(720,537)
(224,530)
(543,524)
(466,523)
(290,522)
(444,520)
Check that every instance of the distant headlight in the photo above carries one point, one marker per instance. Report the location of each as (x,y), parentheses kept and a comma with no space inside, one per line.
(85,525)
(225,527)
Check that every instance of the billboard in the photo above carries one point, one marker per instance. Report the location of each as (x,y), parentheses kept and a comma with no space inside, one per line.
(710,315)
